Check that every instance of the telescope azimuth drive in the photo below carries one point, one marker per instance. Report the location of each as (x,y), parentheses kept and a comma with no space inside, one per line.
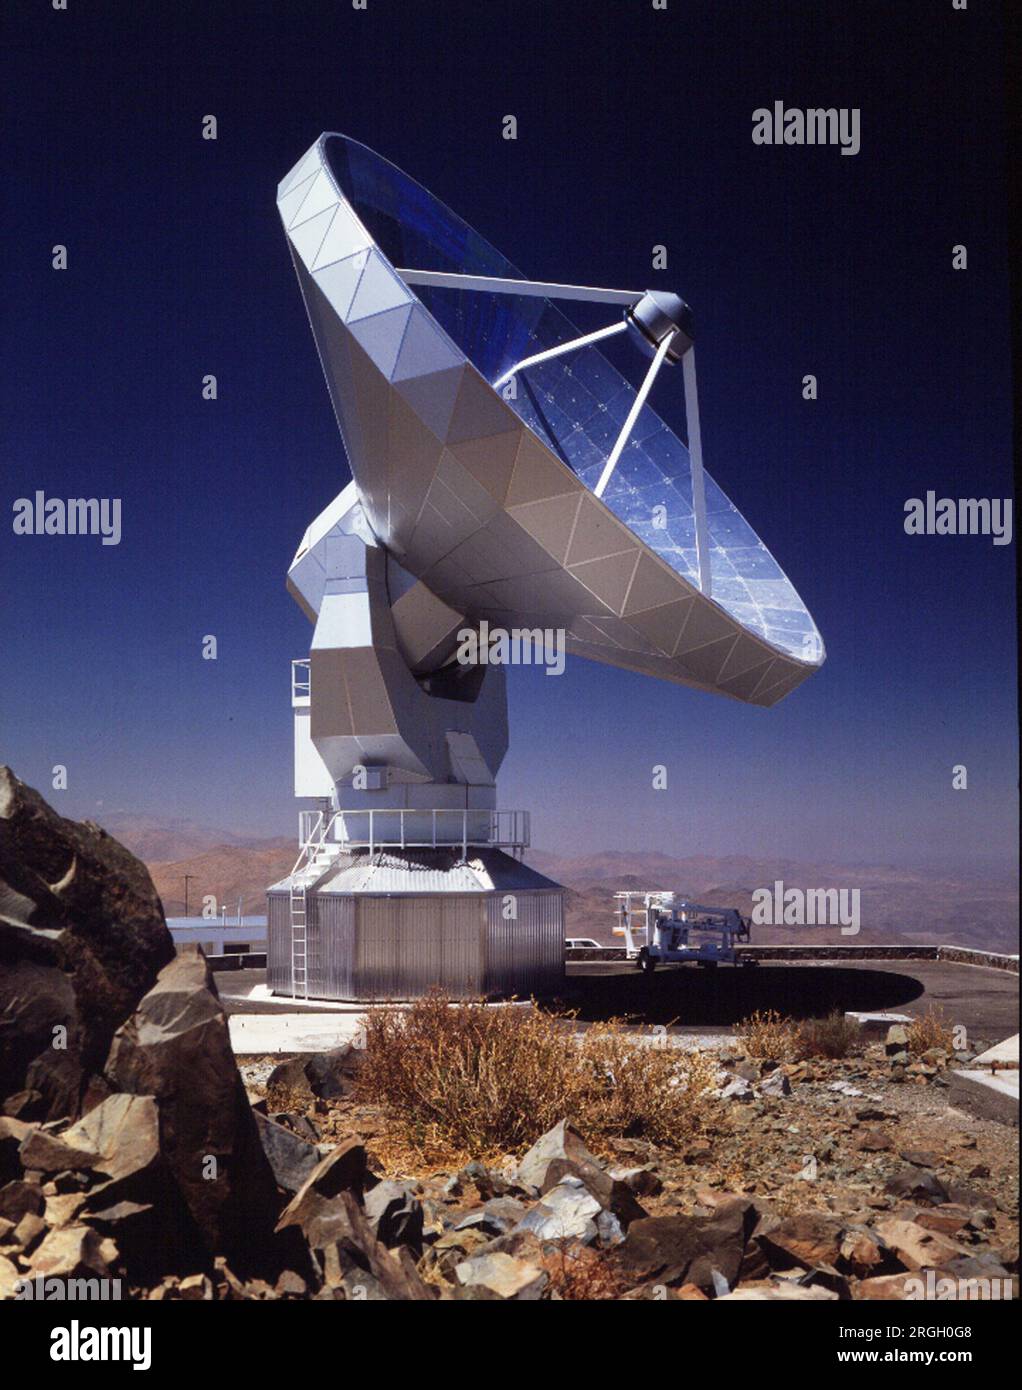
(502,471)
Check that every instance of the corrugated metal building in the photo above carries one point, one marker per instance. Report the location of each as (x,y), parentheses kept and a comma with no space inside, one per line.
(394,924)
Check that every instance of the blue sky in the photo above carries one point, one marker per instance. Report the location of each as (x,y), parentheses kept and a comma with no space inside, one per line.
(634,129)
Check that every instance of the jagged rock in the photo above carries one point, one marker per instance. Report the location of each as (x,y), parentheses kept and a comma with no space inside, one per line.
(739,1089)
(495,1217)
(915,1246)
(781,1291)
(291,1158)
(882,1286)
(348,1249)
(487,1183)
(874,1141)
(73,1250)
(395,1215)
(18,1197)
(897,1040)
(776,1084)
(176,1047)
(53,1153)
(342,1170)
(687,1249)
(13,1134)
(123,1134)
(291,1285)
(917,1185)
(948,1219)
(561,1153)
(808,1238)
(29,1231)
(860,1251)
(920,1158)
(500,1276)
(317,1075)
(644,1181)
(568,1211)
(82,938)
(196,1288)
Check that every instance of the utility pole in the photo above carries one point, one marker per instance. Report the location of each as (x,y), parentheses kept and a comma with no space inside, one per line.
(187,878)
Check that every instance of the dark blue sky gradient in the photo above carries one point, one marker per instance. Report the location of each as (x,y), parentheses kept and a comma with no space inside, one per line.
(634,129)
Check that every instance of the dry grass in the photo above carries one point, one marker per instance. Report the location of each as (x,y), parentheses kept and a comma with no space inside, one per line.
(930,1029)
(833,1036)
(579,1273)
(470,1077)
(769,1035)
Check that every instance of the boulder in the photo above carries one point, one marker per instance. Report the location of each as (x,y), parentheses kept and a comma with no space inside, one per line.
(82,938)
(317,1075)
(495,1217)
(644,1181)
(176,1047)
(395,1215)
(291,1159)
(917,1185)
(71,1251)
(808,1238)
(688,1249)
(18,1197)
(561,1153)
(343,1170)
(351,1258)
(122,1134)
(776,1084)
(13,1134)
(568,1211)
(915,1246)
(500,1276)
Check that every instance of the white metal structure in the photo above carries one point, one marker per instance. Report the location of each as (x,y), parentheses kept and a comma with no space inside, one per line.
(672,929)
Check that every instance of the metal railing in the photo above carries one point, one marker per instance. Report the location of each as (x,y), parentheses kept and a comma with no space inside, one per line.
(301,680)
(414,828)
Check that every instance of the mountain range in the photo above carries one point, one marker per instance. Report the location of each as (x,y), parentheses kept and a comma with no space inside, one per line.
(895,904)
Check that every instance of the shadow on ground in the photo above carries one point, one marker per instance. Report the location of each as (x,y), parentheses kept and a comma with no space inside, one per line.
(691,997)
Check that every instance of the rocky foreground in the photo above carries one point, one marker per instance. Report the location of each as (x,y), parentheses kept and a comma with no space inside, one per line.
(131,1148)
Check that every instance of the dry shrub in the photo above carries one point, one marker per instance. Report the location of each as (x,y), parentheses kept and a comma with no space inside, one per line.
(769,1035)
(930,1029)
(580,1273)
(833,1036)
(485,1079)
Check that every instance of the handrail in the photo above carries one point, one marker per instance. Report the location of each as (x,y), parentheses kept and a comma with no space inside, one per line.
(509,829)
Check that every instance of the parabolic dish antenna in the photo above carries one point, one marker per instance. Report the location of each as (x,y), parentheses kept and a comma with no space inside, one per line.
(504,462)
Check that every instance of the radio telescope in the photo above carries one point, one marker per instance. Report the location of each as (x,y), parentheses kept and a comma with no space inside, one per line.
(503,473)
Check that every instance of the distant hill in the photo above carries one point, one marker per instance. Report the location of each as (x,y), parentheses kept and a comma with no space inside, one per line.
(226,873)
(905,905)
(153,838)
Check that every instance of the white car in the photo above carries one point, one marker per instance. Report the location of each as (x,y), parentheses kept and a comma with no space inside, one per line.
(573,943)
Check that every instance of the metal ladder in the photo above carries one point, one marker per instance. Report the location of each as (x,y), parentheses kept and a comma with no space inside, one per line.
(299,941)
(312,863)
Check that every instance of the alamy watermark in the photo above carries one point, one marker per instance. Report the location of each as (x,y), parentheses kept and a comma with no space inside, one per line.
(76,516)
(959,516)
(519,646)
(832,125)
(807,907)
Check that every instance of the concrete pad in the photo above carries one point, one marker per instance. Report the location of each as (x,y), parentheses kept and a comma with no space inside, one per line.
(987,1095)
(1002,1054)
(989,1088)
(265,1034)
